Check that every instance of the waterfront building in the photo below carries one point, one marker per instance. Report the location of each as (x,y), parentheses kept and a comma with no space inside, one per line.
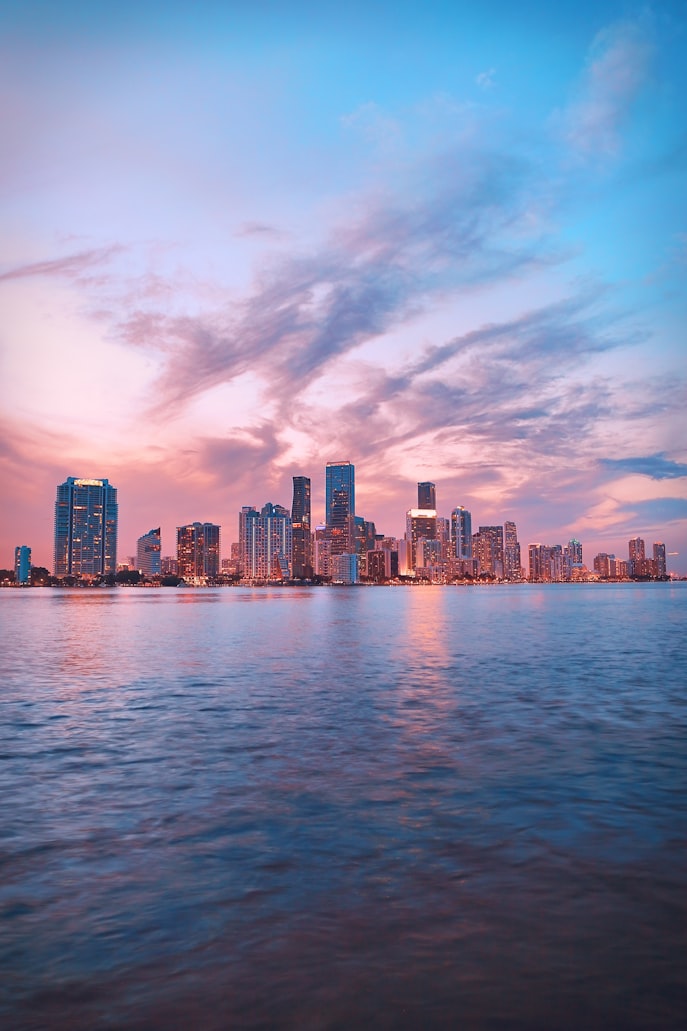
(487,545)
(427,495)
(420,523)
(345,568)
(323,552)
(198,551)
(340,506)
(22,564)
(512,569)
(168,565)
(301,531)
(85,528)
(148,553)
(444,535)
(461,533)
(268,543)
(660,559)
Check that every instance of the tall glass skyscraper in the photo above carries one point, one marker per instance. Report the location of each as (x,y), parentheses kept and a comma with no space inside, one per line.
(461,532)
(301,528)
(340,506)
(427,495)
(85,528)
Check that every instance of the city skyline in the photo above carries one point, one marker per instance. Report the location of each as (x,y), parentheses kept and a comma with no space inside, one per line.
(449,245)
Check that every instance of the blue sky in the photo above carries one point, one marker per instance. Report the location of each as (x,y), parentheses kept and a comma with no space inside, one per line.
(444,242)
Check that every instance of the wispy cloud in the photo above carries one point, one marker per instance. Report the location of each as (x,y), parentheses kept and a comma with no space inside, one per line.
(379,270)
(70,266)
(617,68)
(486,80)
(657,466)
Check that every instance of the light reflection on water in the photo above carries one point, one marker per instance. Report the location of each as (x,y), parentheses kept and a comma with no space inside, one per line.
(342,807)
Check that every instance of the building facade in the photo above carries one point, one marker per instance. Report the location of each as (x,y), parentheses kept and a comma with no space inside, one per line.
(268,543)
(427,495)
(198,551)
(340,506)
(301,528)
(22,564)
(512,569)
(149,552)
(461,533)
(85,528)
(487,546)
(421,524)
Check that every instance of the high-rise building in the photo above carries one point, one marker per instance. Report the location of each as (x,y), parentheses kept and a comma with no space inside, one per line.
(488,550)
(461,533)
(323,552)
(269,543)
(421,524)
(340,506)
(637,558)
(22,563)
(427,495)
(511,552)
(85,528)
(198,551)
(148,553)
(660,559)
(301,528)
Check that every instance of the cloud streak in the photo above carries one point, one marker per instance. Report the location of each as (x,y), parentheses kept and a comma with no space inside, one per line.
(617,68)
(657,466)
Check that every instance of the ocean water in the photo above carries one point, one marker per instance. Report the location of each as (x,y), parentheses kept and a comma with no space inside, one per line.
(344,807)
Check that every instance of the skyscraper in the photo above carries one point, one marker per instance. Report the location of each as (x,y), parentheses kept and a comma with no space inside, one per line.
(427,495)
(22,563)
(511,553)
(340,506)
(268,543)
(85,528)
(488,545)
(660,559)
(148,553)
(421,524)
(461,533)
(198,551)
(301,528)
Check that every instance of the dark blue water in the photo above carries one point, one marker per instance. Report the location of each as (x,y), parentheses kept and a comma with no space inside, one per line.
(334,808)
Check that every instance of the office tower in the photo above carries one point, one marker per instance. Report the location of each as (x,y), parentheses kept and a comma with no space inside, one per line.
(427,495)
(323,552)
(511,552)
(637,558)
(247,512)
(421,524)
(198,551)
(444,535)
(301,528)
(340,506)
(269,543)
(22,563)
(148,553)
(461,533)
(636,549)
(575,552)
(85,528)
(488,550)
(660,559)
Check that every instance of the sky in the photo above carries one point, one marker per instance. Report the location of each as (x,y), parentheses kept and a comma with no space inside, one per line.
(443,241)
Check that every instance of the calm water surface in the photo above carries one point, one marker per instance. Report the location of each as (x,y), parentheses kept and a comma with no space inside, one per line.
(335,808)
